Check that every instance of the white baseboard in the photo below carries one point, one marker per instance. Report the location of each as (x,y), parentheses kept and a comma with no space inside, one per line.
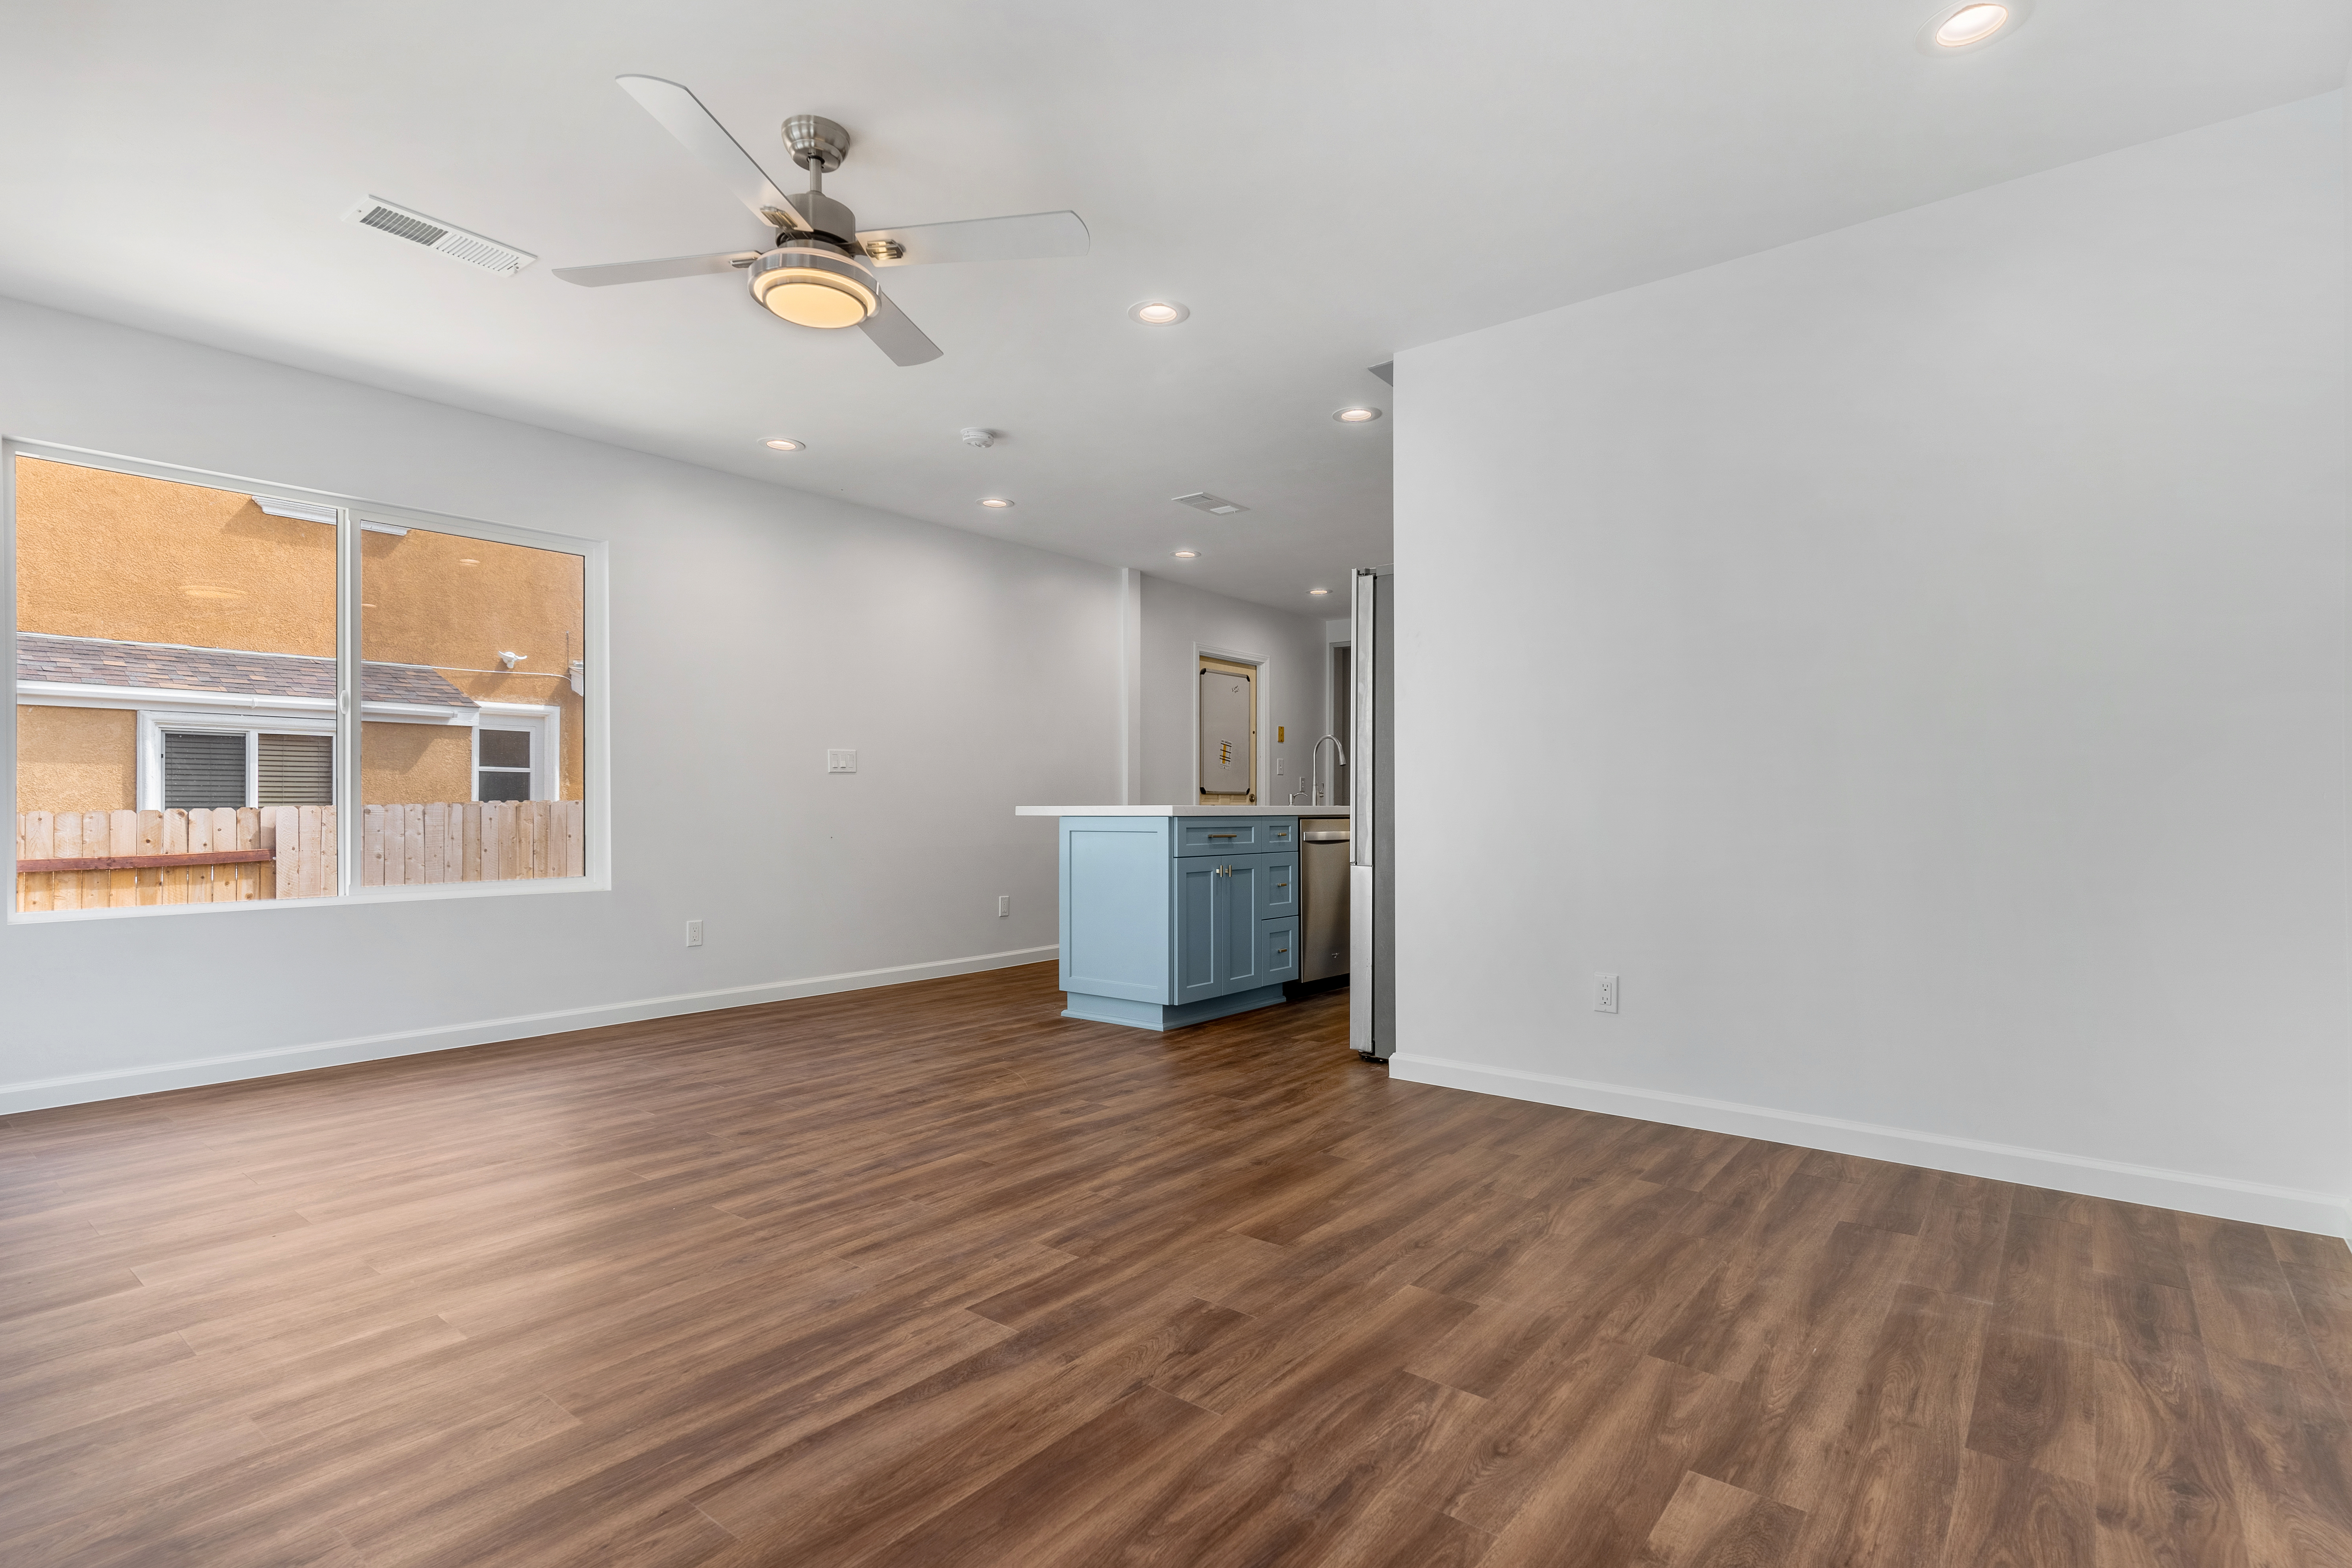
(40,1094)
(2289,1208)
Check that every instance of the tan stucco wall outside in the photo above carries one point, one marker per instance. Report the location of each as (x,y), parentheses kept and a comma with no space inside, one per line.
(76,759)
(100,555)
(414,764)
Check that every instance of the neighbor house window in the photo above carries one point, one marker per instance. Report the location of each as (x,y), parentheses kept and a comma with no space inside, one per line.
(205,771)
(254,695)
(502,764)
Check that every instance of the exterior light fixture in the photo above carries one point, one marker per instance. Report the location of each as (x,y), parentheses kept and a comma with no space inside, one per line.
(1186,555)
(1960,24)
(1358,415)
(784,444)
(810,284)
(994,503)
(1158,312)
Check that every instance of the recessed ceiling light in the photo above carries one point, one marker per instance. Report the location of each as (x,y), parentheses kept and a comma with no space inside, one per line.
(1186,555)
(1319,592)
(467,561)
(1158,312)
(783,444)
(1970,24)
(994,503)
(1357,415)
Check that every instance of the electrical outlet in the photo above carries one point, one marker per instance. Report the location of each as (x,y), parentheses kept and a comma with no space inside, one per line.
(694,933)
(1003,905)
(840,759)
(1604,994)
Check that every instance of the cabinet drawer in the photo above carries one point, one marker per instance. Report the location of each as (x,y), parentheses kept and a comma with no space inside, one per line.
(1235,834)
(1277,951)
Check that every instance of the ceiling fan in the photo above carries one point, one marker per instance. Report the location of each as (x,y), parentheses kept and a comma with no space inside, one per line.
(820,270)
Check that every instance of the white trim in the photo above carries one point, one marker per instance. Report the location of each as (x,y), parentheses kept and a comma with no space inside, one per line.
(59,694)
(80,1089)
(543,722)
(2224,1197)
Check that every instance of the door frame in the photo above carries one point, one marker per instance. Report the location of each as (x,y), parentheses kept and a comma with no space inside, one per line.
(1261,698)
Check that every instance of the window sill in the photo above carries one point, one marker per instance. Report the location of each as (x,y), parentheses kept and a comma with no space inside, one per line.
(428,893)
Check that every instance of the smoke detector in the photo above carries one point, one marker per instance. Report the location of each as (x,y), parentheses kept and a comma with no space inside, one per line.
(441,238)
(973,436)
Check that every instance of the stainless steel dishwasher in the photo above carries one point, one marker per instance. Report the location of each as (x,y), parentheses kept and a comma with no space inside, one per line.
(1323,851)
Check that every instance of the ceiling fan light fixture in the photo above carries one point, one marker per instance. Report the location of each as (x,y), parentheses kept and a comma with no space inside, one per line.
(814,285)
(1158,312)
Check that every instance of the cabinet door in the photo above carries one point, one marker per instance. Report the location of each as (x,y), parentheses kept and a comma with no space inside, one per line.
(1278,886)
(1245,883)
(1277,946)
(1200,892)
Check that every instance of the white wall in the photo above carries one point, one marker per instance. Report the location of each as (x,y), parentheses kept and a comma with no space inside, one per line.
(1176,620)
(1924,649)
(753,626)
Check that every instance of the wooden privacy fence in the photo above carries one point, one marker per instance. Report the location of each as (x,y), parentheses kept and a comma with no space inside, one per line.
(471,841)
(118,860)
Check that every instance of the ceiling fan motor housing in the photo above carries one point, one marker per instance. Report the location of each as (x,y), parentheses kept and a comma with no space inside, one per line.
(816,140)
(813,282)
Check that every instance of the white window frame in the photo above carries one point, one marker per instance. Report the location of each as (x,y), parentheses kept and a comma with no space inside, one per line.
(341,715)
(543,722)
(251,723)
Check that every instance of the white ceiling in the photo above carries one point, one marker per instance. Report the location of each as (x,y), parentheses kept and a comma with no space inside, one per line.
(1323,183)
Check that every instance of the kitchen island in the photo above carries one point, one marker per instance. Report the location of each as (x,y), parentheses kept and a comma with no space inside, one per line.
(1177,914)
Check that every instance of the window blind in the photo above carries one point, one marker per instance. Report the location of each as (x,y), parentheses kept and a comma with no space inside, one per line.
(297,770)
(202,772)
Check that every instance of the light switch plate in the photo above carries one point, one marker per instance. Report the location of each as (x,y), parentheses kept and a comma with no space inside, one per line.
(1604,994)
(840,759)
(694,933)
(1003,905)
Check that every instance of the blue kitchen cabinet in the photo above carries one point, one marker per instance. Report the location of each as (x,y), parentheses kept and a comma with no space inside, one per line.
(1173,921)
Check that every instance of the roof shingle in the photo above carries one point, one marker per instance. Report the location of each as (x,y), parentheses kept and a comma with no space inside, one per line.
(169,667)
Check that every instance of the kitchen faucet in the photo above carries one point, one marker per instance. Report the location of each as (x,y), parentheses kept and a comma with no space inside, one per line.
(1315,796)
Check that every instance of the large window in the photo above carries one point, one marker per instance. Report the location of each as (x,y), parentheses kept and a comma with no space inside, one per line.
(206,671)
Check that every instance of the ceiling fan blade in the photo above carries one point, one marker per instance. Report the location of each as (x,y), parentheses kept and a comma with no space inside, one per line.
(981,239)
(646,271)
(682,115)
(894,334)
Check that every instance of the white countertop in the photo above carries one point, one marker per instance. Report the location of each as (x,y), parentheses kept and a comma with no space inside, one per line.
(1180,811)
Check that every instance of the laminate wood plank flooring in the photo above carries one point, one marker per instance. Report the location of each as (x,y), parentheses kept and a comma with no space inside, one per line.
(931,1276)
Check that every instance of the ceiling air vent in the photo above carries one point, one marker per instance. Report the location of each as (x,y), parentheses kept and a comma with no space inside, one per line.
(458,243)
(1201,501)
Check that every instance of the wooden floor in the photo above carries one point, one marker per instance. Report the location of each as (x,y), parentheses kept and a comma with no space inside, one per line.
(928,1275)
